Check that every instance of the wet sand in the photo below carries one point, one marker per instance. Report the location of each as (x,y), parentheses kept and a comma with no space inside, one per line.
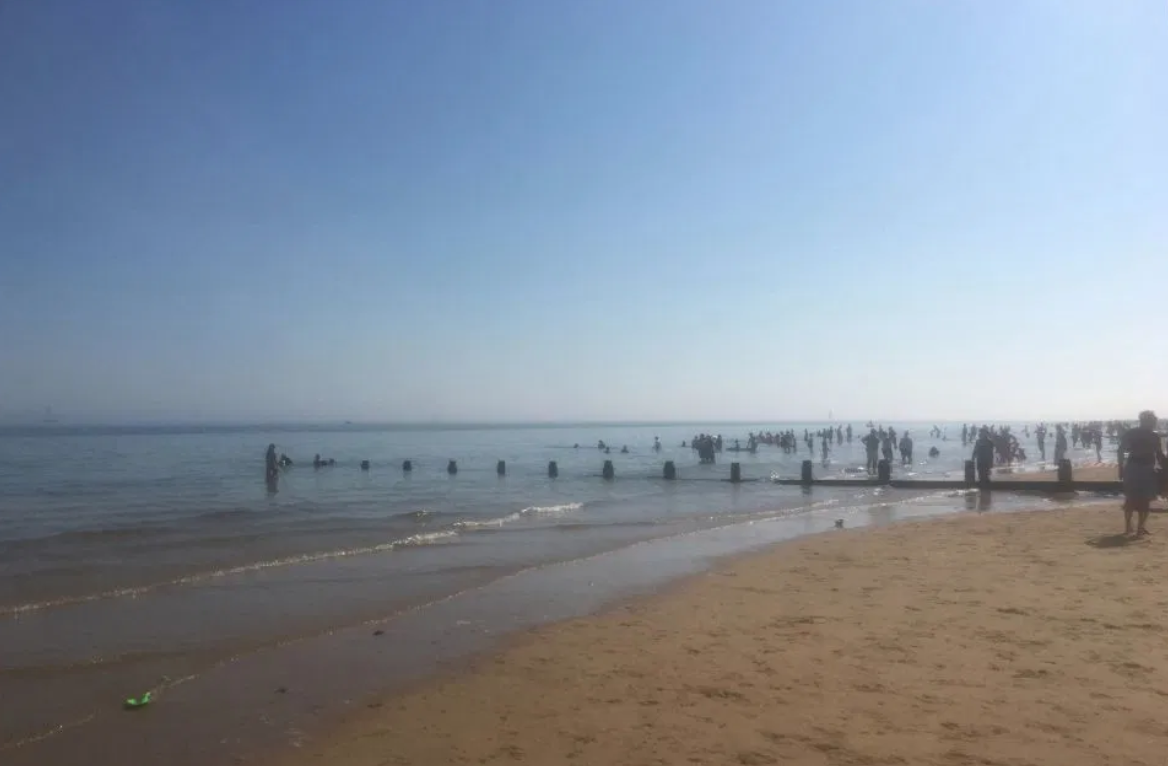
(1019,638)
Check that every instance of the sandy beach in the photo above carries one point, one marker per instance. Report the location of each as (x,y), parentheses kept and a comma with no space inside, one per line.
(1026,638)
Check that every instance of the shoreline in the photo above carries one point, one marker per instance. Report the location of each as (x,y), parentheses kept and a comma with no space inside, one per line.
(314,685)
(690,654)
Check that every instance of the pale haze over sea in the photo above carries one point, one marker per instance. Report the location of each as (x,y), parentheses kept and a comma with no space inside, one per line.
(540,211)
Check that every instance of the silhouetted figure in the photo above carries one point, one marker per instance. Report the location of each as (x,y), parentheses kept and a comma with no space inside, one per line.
(704,445)
(1140,454)
(271,465)
(1060,443)
(906,447)
(983,456)
(872,450)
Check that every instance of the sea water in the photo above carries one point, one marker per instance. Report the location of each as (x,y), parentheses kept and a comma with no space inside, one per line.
(130,555)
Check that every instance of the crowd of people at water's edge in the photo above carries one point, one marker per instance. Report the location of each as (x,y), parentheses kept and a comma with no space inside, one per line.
(992,445)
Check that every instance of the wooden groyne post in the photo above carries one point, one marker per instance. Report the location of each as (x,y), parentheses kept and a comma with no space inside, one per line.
(806,476)
(736,472)
(970,473)
(670,470)
(501,468)
(553,469)
(607,471)
(884,472)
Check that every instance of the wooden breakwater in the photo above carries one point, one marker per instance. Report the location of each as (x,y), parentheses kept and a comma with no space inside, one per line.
(1064,480)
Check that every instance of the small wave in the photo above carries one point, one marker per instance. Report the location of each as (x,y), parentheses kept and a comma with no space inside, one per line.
(426,538)
(41,736)
(410,541)
(535,510)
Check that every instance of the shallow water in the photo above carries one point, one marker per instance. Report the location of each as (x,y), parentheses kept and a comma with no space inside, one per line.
(130,556)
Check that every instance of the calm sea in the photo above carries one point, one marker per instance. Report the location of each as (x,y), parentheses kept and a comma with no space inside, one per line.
(142,558)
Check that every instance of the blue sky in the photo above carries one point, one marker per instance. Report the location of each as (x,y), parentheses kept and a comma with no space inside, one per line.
(543,210)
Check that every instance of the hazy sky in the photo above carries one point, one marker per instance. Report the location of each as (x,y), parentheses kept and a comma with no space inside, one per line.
(553,210)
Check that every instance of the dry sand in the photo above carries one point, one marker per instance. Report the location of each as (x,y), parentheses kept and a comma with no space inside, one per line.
(1011,639)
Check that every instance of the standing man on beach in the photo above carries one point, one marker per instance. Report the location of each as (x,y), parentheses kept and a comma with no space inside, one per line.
(1140,455)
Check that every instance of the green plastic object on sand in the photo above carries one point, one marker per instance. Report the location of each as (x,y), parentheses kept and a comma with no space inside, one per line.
(137,702)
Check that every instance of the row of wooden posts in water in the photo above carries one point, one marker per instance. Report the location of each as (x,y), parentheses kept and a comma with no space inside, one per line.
(1064,480)
(607,471)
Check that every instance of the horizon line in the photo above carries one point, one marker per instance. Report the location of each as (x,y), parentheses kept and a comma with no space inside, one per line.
(163,423)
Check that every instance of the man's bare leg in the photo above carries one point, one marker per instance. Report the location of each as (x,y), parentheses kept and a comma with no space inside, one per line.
(1142,530)
(1127,519)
